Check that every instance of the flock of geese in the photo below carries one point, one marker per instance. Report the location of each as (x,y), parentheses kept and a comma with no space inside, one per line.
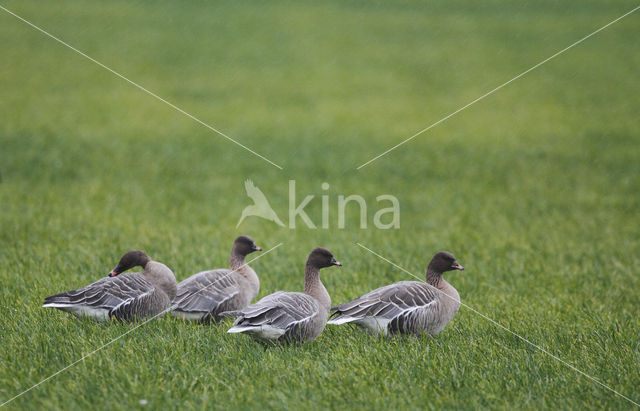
(410,307)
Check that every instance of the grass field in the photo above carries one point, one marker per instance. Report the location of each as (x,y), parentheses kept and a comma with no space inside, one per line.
(535,189)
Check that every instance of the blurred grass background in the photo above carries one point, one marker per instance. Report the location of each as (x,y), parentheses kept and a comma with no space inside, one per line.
(535,190)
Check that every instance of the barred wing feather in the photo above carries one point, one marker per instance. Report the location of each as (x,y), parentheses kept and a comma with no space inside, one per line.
(206,292)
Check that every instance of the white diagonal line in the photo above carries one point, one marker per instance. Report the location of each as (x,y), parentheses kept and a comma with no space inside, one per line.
(505,328)
(495,89)
(117,338)
(140,87)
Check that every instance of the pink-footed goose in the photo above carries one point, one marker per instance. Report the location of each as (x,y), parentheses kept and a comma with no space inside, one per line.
(203,296)
(408,307)
(290,316)
(124,297)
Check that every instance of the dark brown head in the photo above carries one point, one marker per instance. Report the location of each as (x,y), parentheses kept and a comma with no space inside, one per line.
(244,245)
(131,259)
(321,258)
(444,261)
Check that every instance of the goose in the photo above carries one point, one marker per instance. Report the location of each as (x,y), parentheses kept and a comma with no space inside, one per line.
(203,296)
(290,316)
(407,307)
(124,297)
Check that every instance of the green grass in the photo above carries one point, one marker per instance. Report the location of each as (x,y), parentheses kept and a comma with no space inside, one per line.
(535,189)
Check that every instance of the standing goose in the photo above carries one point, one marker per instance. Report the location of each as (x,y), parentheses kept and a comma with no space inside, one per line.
(408,307)
(124,297)
(203,296)
(288,316)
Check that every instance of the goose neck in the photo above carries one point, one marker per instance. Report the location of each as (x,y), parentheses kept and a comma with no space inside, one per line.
(314,287)
(237,262)
(162,277)
(434,277)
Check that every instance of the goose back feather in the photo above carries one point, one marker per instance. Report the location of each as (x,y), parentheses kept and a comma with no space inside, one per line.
(282,316)
(407,307)
(203,296)
(124,297)
(290,316)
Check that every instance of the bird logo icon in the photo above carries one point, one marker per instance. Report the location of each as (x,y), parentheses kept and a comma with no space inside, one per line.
(260,206)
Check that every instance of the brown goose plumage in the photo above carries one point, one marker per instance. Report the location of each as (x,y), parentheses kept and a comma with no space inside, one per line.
(124,297)
(409,307)
(290,316)
(203,296)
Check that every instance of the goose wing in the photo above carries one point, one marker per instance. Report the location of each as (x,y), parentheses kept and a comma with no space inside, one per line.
(147,304)
(280,310)
(206,291)
(386,302)
(106,293)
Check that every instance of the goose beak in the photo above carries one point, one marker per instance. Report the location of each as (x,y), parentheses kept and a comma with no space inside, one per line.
(257,248)
(336,262)
(113,273)
(457,266)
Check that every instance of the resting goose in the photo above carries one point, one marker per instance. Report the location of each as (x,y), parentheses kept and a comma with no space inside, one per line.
(408,307)
(124,297)
(289,316)
(203,296)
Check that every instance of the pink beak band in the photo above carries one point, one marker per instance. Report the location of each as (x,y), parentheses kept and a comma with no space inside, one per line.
(458,267)
(112,273)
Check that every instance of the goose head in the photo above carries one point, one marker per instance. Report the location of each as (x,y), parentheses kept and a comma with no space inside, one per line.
(244,245)
(444,261)
(321,258)
(131,259)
